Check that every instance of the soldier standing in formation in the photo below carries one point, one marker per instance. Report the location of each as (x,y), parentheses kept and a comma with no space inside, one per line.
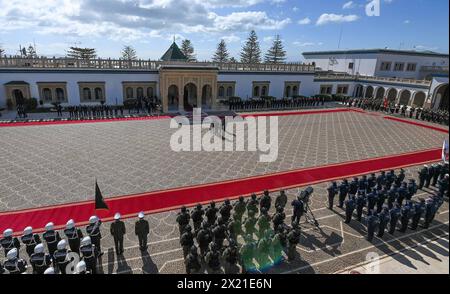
(183,218)
(394,213)
(93,230)
(14,264)
(332,192)
(118,230)
(192,261)
(373,222)
(30,240)
(197,216)
(142,229)
(281,200)
(9,242)
(361,202)
(349,208)
(343,190)
(74,235)
(61,256)
(89,254)
(385,219)
(52,238)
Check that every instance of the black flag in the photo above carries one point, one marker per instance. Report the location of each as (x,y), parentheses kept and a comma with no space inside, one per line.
(99,201)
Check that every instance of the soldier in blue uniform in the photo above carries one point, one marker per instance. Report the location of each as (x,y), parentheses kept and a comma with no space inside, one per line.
(353,187)
(362,184)
(385,218)
(437,171)
(419,210)
(61,256)
(343,190)
(93,231)
(349,208)
(402,193)
(390,178)
(429,176)
(73,235)
(423,176)
(412,189)
(371,201)
(373,222)
(392,196)
(30,240)
(400,178)
(381,179)
(395,215)
(9,242)
(372,181)
(332,192)
(430,210)
(381,198)
(13,264)
(361,202)
(443,186)
(404,217)
(40,261)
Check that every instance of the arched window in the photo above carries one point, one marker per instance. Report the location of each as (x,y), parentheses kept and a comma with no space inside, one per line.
(230,92)
(129,93)
(256,92)
(60,94)
(288,92)
(221,92)
(87,94)
(150,92)
(140,93)
(98,94)
(264,91)
(47,94)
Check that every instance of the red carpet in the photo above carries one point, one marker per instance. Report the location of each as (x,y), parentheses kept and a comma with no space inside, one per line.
(70,122)
(297,112)
(158,201)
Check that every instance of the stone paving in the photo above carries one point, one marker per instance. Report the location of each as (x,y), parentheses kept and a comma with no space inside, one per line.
(46,165)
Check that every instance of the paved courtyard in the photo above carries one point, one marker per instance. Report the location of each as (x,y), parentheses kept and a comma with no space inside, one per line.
(46,165)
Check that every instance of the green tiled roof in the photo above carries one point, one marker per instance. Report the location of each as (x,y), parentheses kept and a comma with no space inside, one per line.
(174,54)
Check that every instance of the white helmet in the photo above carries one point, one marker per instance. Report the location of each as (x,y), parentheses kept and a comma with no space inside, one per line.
(39,248)
(141,214)
(81,267)
(117,216)
(8,233)
(28,230)
(93,219)
(49,226)
(70,224)
(86,241)
(425,166)
(11,254)
(62,244)
(49,271)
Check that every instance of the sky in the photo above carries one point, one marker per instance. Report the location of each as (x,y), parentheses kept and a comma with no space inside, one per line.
(150,25)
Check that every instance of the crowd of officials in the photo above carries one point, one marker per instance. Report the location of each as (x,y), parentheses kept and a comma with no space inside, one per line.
(440,116)
(231,237)
(72,252)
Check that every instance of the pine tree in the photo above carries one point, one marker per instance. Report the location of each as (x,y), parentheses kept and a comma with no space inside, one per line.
(31,52)
(251,52)
(81,53)
(129,53)
(188,50)
(233,60)
(221,55)
(276,54)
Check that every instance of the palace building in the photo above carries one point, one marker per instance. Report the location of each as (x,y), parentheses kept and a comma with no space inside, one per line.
(407,77)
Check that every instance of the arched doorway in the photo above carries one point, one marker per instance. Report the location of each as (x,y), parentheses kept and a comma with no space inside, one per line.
(419,99)
(441,99)
(380,93)
(359,90)
(206,97)
(392,95)
(173,97)
(405,96)
(190,96)
(369,92)
(18,96)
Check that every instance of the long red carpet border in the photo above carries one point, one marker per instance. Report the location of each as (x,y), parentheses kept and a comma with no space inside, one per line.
(159,201)
(416,124)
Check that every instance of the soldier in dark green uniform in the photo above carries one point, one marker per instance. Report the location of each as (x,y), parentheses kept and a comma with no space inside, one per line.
(293,239)
(192,261)
(281,200)
(183,219)
(197,216)
(239,208)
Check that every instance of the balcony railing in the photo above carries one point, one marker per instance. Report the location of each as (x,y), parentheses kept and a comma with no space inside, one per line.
(118,64)
(372,78)
(434,68)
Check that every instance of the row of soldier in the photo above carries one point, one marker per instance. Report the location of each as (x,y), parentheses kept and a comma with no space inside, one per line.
(95,111)
(388,199)
(254,104)
(62,254)
(217,231)
(439,116)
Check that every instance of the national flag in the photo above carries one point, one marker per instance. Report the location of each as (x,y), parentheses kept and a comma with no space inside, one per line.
(99,201)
